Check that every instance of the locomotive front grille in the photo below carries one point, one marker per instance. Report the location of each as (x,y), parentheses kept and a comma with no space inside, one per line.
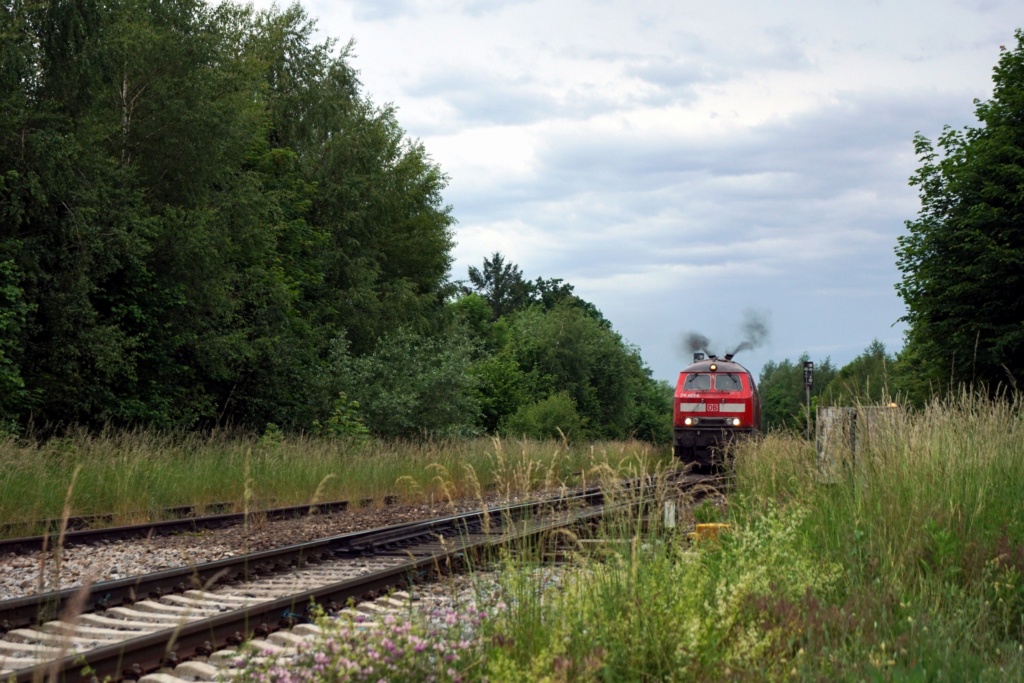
(714,422)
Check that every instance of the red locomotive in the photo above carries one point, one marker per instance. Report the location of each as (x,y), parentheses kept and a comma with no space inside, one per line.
(715,401)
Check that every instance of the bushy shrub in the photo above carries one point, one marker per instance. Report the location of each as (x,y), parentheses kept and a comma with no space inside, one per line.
(551,418)
(502,388)
(345,422)
(412,385)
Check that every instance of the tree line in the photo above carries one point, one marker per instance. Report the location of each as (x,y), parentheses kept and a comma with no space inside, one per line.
(205,221)
(870,379)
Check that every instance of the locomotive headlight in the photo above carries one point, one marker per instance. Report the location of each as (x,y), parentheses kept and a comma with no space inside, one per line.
(735,422)
(688,421)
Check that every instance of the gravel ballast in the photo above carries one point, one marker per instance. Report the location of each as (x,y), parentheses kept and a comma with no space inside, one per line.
(55,569)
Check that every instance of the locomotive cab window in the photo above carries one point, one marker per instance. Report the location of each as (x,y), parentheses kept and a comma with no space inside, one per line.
(728,382)
(697,382)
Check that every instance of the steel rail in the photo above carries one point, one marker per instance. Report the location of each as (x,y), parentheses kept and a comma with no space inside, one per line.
(35,609)
(131,658)
(27,544)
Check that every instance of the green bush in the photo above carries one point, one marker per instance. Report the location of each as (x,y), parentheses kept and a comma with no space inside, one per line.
(413,385)
(551,418)
(345,422)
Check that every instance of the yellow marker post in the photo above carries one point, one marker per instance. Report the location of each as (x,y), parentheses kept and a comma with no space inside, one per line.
(709,531)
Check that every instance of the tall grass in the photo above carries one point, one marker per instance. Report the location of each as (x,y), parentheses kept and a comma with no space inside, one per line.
(133,475)
(905,564)
(937,492)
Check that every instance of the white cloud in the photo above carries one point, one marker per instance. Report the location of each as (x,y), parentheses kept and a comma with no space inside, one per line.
(681,162)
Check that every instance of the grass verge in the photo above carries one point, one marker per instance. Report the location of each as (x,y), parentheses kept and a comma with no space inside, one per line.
(136,474)
(907,566)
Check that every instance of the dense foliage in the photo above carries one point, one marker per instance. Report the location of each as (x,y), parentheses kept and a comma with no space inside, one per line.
(963,259)
(783,396)
(198,204)
(553,365)
(868,378)
(204,221)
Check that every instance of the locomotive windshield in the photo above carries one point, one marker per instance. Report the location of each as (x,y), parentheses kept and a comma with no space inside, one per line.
(697,382)
(724,381)
(728,382)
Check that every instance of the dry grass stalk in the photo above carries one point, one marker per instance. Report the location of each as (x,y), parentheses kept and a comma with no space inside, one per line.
(69,618)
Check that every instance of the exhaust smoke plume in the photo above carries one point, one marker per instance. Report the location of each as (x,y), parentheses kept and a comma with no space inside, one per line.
(754,331)
(695,341)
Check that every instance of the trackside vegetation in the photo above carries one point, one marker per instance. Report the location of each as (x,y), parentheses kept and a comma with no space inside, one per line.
(133,475)
(907,566)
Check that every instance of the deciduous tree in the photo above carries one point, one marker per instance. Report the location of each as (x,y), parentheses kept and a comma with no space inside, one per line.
(867,379)
(783,397)
(963,257)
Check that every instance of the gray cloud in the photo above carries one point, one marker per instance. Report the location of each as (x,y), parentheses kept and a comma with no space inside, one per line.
(381,10)
(478,8)
(834,136)
(780,174)
(666,230)
(676,78)
(478,98)
(786,217)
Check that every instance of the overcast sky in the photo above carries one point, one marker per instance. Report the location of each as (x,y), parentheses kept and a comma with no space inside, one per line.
(686,164)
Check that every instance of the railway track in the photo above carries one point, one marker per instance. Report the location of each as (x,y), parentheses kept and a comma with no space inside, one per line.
(127,628)
(77,530)
(124,628)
